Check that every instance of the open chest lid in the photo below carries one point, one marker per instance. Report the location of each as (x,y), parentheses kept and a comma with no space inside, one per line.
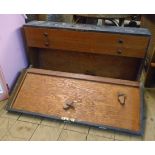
(90,100)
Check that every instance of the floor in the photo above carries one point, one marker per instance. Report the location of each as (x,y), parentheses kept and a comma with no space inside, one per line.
(19,127)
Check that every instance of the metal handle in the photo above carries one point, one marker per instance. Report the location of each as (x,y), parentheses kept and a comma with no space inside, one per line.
(122,98)
(119,51)
(45,34)
(46,38)
(46,43)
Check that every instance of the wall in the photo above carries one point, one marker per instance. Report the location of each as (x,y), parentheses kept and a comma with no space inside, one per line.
(12,52)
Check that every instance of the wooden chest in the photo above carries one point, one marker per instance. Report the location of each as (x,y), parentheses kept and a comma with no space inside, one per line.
(84,74)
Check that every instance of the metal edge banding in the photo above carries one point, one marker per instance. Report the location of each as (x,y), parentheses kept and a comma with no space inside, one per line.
(96,31)
(147,52)
(83,77)
(90,28)
(142,124)
(150,58)
(143,60)
(16,89)
(104,127)
(25,45)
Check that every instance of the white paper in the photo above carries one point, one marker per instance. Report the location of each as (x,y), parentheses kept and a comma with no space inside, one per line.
(1,89)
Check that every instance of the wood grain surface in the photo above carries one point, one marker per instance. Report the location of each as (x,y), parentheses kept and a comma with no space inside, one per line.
(92,64)
(94,102)
(83,77)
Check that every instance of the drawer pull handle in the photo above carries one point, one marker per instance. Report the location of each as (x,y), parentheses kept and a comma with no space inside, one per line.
(46,43)
(45,34)
(119,51)
(120,41)
(46,38)
(122,98)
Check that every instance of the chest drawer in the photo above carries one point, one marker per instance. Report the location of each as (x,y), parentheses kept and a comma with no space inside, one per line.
(91,42)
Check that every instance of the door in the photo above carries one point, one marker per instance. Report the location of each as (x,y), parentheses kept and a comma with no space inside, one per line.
(96,101)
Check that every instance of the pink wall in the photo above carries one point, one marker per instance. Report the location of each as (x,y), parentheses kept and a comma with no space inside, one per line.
(12,52)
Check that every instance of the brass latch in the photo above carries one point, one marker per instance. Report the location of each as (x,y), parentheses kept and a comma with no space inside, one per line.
(68,105)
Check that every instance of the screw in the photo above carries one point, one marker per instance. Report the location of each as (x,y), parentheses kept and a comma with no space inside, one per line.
(120,41)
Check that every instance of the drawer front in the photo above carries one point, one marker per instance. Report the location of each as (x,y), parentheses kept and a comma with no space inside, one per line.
(91,42)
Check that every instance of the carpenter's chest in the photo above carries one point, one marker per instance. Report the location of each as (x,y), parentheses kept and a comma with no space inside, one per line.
(84,74)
